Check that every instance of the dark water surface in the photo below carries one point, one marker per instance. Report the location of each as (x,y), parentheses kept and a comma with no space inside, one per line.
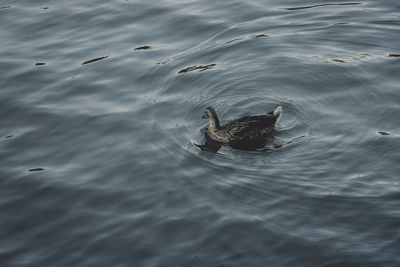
(101,102)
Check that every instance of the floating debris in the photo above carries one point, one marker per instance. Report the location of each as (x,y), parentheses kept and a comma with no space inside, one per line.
(45,7)
(94,60)
(143,47)
(36,169)
(383,133)
(394,55)
(201,68)
(338,4)
(40,64)
(2,7)
(9,136)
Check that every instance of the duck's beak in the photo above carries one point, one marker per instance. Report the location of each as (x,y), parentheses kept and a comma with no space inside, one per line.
(204,116)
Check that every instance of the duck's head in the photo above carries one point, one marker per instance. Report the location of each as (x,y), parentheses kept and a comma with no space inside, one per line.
(211,115)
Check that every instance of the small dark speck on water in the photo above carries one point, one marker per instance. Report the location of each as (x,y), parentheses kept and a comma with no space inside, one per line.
(143,47)
(234,40)
(9,136)
(45,7)
(94,60)
(36,169)
(2,7)
(394,55)
(261,36)
(383,133)
(40,64)
(339,60)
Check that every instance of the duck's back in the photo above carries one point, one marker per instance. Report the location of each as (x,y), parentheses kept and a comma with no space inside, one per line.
(249,127)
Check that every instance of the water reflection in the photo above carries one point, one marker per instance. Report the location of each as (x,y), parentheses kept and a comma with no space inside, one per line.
(211,145)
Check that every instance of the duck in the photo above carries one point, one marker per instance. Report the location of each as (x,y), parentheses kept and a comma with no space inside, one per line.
(242,130)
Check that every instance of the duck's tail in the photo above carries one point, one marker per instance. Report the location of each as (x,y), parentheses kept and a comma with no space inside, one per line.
(278,113)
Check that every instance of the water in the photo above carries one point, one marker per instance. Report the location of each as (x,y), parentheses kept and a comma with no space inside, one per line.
(98,166)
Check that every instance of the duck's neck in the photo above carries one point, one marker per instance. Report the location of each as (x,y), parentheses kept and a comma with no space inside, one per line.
(214,123)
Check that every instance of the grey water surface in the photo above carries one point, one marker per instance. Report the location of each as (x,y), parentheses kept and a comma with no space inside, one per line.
(101,105)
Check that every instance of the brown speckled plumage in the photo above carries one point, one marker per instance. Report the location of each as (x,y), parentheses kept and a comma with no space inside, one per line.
(241,130)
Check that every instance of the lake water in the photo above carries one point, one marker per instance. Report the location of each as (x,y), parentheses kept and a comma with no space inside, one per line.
(101,104)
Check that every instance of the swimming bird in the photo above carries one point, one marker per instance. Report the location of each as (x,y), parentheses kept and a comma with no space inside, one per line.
(244,130)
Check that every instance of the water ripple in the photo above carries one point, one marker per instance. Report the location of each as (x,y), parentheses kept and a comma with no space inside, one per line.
(321,5)
(99,160)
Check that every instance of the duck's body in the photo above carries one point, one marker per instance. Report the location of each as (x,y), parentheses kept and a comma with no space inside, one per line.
(242,130)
